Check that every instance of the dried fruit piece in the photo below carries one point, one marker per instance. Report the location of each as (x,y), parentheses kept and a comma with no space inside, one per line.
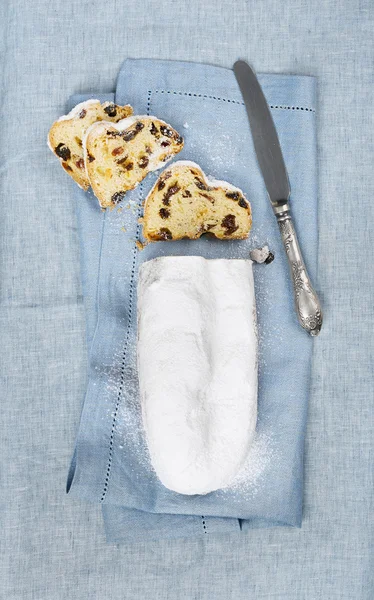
(228,222)
(143,162)
(63,151)
(118,197)
(164,213)
(80,163)
(167,131)
(165,234)
(154,130)
(200,184)
(233,195)
(111,110)
(173,189)
(132,133)
(207,196)
(117,151)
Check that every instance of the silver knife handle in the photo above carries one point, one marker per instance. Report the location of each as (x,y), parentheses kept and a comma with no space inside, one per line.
(308,307)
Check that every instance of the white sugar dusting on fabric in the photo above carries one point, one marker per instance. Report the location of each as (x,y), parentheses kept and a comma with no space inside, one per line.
(122,392)
(248,481)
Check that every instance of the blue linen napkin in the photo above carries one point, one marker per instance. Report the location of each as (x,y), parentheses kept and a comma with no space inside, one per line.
(110,464)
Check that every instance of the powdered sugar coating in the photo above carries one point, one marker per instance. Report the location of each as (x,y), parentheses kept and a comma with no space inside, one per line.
(197,366)
(77,109)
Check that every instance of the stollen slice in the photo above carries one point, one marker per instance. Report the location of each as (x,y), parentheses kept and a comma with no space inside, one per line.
(65,137)
(185,203)
(118,156)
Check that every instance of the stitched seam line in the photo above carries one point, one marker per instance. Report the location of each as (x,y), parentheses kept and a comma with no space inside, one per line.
(123,363)
(204,524)
(274,106)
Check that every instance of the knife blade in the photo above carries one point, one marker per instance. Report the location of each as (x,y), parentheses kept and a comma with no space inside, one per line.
(265,138)
(274,172)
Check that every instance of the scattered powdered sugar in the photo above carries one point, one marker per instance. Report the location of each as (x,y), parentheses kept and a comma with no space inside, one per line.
(121,393)
(186,125)
(248,481)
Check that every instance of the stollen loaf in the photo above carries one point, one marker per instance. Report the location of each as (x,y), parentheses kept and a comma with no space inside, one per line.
(197,368)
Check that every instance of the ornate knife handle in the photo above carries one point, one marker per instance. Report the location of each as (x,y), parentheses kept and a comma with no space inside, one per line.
(308,307)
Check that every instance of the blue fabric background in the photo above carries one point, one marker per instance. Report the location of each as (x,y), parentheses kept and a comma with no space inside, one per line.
(109,466)
(52,547)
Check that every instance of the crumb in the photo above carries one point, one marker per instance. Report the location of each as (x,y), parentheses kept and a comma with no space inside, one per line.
(123,228)
(119,210)
(262,255)
(186,125)
(139,245)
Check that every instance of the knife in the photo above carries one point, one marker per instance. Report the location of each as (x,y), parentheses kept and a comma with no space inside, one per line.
(273,169)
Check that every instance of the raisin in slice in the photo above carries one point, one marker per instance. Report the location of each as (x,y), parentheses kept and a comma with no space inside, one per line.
(118,197)
(143,162)
(166,131)
(200,184)
(173,189)
(154,130)
(165,234)
(178,139)
(165,143)
(111,110)
(66,166)
(129,166)
(63,151)
(163,178)
(233,195)
(82,114)
(229,224)
(122,160)
(130,135)
(117,151)
(243,203)
(187,194)
(208,197)
(90,157)
(80,163)
(164,213)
